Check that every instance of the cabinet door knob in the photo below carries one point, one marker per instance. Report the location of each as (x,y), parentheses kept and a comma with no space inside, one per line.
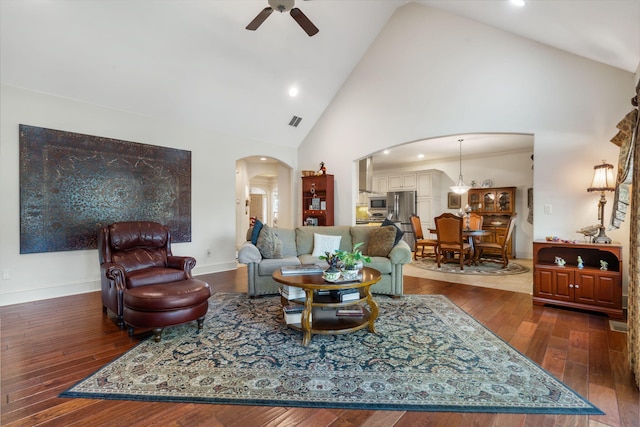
(577,286)
(570,285)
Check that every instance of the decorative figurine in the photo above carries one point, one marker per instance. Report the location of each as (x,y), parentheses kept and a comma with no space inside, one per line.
(322,170)
(560,262)
(589,231)
(604,265)
(580,263)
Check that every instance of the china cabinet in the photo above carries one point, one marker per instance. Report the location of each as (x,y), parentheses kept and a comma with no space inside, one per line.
(496,205)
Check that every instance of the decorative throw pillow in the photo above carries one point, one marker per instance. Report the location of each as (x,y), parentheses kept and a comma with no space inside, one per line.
(269,244)
(399,232)
(256,231)
(323,243)
(382,241)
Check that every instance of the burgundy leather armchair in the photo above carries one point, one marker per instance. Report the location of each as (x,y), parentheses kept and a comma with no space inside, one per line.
(135,254)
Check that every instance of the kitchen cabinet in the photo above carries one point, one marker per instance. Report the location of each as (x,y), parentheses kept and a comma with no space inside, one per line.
(428,184)
(587,288)
(402,182)
(381,184)
(317,200)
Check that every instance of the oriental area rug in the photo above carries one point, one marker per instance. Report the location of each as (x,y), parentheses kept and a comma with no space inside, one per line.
(427,355)
(484,268)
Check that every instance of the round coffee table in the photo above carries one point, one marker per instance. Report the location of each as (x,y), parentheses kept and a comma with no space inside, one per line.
(325,319)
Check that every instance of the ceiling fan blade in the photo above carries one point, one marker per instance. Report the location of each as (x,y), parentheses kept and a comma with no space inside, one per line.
(304,22)
(258,20)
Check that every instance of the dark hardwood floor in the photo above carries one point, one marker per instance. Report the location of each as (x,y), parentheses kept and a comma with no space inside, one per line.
(47,346)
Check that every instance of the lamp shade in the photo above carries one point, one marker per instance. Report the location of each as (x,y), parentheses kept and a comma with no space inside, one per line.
(603,179)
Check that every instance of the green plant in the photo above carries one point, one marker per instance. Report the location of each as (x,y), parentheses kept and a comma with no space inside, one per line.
(332,259)
(350,259)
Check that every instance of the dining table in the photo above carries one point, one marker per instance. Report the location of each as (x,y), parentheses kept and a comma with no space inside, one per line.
(470,234)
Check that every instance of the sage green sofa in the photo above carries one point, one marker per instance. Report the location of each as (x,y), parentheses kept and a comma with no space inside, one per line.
(297,247)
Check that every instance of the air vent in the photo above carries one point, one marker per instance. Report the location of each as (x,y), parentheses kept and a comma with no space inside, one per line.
(295,121)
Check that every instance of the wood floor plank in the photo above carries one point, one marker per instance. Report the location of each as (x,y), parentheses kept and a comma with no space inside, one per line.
(46,346)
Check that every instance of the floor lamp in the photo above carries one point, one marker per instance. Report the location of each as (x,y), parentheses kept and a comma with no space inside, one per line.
(603,180)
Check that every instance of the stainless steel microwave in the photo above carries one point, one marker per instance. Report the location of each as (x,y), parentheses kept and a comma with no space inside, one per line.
(377,202)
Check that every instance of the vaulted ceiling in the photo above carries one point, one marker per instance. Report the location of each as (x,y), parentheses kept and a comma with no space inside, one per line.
(194,62)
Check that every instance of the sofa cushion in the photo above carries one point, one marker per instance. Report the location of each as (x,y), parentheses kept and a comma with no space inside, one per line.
(288,238)
(323,243)
(154,276)
(382,240)
(269,244)
(361,234)
(399,232)
(266,267)
(140,258)
(304,237)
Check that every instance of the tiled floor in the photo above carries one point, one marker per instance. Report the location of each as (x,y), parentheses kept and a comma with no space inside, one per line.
(513,282)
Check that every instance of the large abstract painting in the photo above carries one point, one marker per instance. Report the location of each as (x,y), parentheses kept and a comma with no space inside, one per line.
(72,184)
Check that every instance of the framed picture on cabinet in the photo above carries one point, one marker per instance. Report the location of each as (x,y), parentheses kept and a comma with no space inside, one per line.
(454,201)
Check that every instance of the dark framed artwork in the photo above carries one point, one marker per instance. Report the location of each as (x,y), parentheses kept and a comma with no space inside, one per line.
(454,201)
(73,184)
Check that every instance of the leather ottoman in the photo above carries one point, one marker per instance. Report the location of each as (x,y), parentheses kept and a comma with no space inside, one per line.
(166,304)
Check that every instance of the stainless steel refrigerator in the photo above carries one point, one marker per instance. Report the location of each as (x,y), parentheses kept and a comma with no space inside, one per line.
(400,206)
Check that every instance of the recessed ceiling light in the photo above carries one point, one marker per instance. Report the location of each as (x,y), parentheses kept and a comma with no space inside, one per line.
(519,3)
(386,152)
(293,91)
(421,156)
(263,158)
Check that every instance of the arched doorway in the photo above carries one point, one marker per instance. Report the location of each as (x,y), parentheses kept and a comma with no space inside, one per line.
(263,190)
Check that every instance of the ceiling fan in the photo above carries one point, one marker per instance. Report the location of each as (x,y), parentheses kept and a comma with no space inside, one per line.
(284,6)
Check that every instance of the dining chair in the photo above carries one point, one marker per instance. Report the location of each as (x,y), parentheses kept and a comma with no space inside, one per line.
(475,221)
(420,241)
(450,239)
(499,248)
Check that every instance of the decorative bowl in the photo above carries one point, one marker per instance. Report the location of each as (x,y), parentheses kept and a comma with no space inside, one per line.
(331,276)
(308,173)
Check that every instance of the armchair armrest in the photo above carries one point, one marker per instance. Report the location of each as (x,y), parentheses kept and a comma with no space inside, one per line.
(184,263)
(249,253)
(115,273)
(401,253)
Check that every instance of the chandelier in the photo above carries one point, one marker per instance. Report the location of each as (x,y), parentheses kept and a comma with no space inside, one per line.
(460,187)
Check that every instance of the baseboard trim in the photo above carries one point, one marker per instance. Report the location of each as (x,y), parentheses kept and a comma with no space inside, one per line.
(38,294)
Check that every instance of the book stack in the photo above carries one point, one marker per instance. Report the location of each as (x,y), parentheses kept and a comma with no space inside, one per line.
(343,295)
(353,311)
(293,314)
(292,292)
(292,270)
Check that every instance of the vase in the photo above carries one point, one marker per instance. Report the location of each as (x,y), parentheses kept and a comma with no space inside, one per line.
(350,274)
(331,274)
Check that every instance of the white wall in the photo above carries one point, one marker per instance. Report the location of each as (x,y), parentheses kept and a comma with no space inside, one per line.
(213,209)
(430,74)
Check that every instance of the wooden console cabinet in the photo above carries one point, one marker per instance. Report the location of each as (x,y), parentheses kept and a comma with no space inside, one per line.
(587,288)
(317,200)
